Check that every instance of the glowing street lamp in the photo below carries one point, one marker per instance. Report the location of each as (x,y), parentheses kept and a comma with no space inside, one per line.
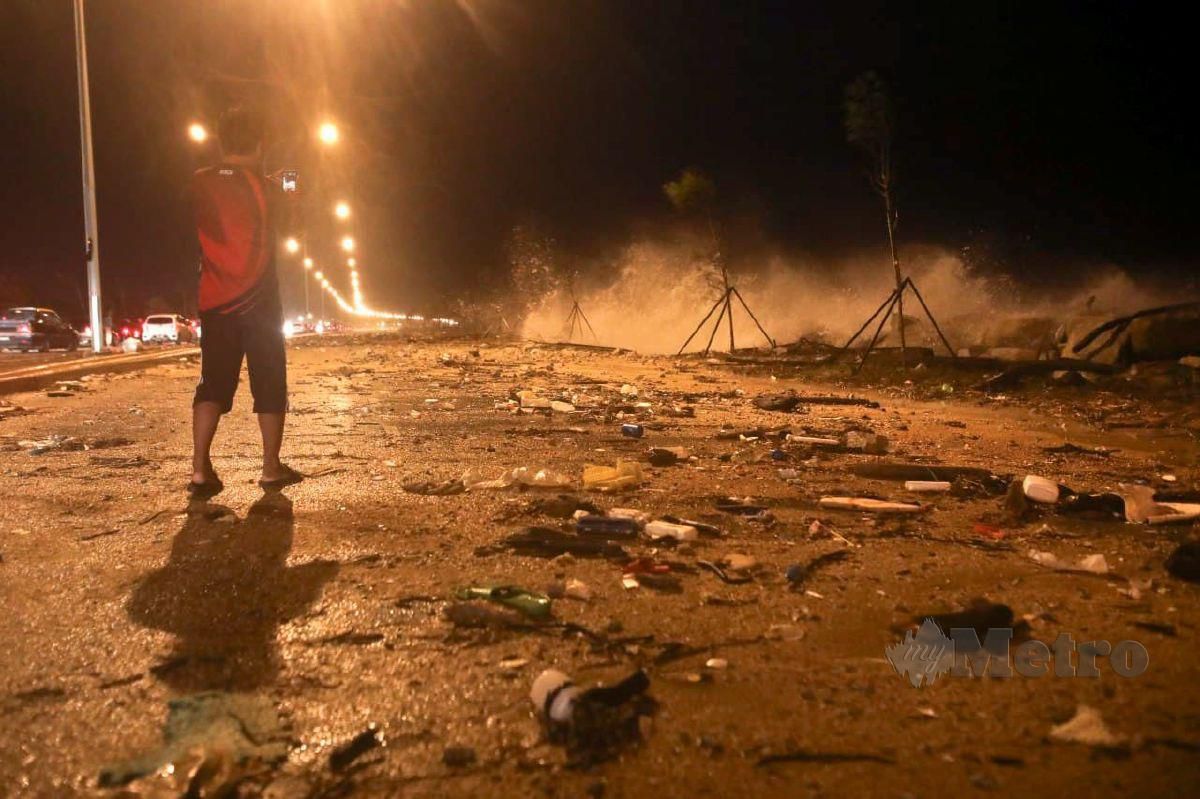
(291,245)
(342,210)
(197,133)
(308,263)
(319,276)
(348,243)
(328,133)
(351,262)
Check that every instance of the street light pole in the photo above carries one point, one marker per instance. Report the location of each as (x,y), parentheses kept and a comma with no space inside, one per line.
(91,239)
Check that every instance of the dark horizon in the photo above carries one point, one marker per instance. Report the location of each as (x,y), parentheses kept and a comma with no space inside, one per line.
(1035,137)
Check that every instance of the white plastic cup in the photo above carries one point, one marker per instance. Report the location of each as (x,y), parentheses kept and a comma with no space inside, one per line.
(553,696)
(1040,490)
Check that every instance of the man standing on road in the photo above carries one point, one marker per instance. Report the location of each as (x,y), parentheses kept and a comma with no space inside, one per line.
(240,310)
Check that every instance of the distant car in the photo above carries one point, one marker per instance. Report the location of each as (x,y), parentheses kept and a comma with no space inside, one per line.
(127,328)
(114,332)
(168,327)
(40,329)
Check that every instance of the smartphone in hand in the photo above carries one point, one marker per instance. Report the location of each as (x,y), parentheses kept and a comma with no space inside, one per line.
(289,180)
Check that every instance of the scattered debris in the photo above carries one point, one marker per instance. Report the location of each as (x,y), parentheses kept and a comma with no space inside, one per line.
(471,615)
(528,603)
(1092,564)
(632,430)
(811,756)
(667,456)
(1184,562)
(920,471)
(1088,728)
(547,543)
(345,754)
(739,507)
(1068,448)
(472,480)
(211,740)
(927,486)
(118,462)
(443,489)
(980,615)
(727,577)
(1040,490)
(785,402)
(1142,508)
(593,724)
(607,479)
(458,756)
(608,527)
(866,442)
(101,534)
(563,506)
(869,505)
(52,443)
(571,589)
(798,573)
(660,530)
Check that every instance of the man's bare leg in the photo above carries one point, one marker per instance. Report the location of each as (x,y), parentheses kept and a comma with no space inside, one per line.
(205,418)
(271,426)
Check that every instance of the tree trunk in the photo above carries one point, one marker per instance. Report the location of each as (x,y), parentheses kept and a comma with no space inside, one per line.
(728,305)
(887,204)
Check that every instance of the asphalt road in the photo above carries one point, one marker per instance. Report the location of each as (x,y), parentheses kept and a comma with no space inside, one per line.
(259,634)
(12,359)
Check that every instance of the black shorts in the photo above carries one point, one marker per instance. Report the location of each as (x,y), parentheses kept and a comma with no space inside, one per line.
(224,339)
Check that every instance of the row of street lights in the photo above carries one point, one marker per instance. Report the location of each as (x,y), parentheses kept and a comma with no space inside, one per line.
(328,134)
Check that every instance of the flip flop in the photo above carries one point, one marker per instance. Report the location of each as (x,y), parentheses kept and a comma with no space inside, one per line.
(290,477)
(209,488)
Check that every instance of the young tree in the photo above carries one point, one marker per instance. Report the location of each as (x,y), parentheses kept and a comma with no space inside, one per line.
(694,193)
(870,122)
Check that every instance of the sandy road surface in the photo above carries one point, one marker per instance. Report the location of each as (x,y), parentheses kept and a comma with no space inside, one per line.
(306,619)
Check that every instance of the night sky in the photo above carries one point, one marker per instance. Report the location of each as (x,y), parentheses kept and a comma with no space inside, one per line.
(1039,136)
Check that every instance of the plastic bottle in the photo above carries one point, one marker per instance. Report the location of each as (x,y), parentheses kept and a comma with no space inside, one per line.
(625,474)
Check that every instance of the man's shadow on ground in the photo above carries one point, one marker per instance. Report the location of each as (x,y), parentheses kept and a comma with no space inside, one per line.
(224,594)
